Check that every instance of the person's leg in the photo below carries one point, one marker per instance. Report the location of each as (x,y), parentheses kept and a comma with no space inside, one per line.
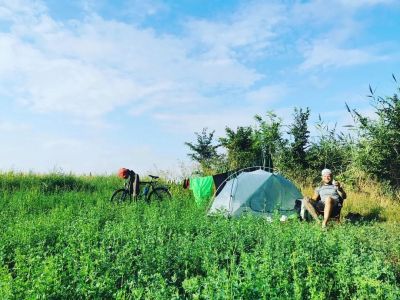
(310,208)
(329,203)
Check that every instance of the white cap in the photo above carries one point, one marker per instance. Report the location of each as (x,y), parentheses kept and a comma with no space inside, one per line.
(326,172)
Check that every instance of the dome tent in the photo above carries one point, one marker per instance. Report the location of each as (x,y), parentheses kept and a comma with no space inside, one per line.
(255,191)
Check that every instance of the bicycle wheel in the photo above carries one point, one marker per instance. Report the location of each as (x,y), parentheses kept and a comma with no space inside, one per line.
(121,195)
(159,194)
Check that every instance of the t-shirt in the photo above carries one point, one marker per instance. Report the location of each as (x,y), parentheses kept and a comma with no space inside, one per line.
(328,190)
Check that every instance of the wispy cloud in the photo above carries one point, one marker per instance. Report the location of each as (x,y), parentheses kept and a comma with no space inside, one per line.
(364,3)
(336,30)
(268,94)
(214,120)
(323,54)
(239,36)
(13,127)
(88,68)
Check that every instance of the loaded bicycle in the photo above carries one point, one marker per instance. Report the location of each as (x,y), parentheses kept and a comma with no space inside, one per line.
(135,189)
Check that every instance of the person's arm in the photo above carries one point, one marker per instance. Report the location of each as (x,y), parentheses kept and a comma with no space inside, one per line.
(341,191)
(315,196)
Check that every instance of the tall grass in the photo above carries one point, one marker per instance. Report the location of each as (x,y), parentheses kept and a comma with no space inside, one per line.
(72,243)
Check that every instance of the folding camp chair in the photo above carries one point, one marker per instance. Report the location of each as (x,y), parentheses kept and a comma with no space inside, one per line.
(335,216)
(304,214)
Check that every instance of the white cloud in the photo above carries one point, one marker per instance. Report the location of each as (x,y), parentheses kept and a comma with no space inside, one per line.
(328,11)
(364,3)
(13,127)
(250,30)
(337,28)
(219,119)
(268,94)
(88,68)
(323,54)
(214,120)
(219,72)
(21,10)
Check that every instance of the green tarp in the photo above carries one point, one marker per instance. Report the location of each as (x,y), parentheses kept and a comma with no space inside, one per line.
(202,188)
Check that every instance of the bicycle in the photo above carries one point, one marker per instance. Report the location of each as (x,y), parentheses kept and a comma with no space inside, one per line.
(150,191)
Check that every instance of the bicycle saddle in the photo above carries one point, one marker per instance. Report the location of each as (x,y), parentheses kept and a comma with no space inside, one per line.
(154,177)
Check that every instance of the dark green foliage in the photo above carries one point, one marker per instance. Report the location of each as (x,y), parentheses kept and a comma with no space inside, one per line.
(293,158)
(379,139)
(267,139)
(330,150)
(78,245)
(300,135)
(240,147)
(253,147)
(204,151)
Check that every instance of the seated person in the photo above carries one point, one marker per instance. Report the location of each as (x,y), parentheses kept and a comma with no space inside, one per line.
(327,198)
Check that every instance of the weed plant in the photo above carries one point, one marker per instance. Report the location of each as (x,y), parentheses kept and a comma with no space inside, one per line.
(70,242)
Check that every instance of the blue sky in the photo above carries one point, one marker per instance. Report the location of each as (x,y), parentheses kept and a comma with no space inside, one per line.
(91,86)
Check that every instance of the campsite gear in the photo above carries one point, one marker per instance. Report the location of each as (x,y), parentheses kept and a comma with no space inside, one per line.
(202,189)
(152,190)
(319,209)
(123,173)
(257,192)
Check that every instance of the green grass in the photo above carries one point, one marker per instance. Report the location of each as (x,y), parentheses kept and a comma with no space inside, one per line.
(61,238)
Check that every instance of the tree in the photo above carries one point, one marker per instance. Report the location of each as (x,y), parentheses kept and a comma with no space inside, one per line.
(267,139)
(300,133)
(379,139)
(204,151)
(239,145)
(293,159)
(330,150)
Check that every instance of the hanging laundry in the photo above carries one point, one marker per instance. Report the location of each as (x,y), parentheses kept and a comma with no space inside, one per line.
(202,189)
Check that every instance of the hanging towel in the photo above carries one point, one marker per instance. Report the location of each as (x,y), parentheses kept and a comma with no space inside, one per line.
(202,189)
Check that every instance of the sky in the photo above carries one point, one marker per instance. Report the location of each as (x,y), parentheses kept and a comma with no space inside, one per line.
(91,86)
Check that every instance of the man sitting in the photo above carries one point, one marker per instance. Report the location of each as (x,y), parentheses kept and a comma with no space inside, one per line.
(327,198)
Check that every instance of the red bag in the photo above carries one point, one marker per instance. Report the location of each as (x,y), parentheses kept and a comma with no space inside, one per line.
(123,173)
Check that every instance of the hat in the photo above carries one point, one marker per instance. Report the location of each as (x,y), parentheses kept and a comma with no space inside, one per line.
(326,172)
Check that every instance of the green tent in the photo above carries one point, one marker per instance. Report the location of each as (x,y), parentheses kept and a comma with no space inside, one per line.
(258,192)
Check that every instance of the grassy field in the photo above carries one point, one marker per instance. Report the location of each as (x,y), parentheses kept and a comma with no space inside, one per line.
(60,238)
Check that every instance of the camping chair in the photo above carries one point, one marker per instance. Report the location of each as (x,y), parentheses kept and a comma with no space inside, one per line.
(335,212)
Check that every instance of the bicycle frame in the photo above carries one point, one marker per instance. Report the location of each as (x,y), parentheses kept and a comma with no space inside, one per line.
(145,187)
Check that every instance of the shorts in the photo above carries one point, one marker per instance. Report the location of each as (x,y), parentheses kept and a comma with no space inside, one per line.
(320,206)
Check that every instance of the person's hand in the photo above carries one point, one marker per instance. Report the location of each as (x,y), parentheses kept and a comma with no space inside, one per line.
(336,183)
